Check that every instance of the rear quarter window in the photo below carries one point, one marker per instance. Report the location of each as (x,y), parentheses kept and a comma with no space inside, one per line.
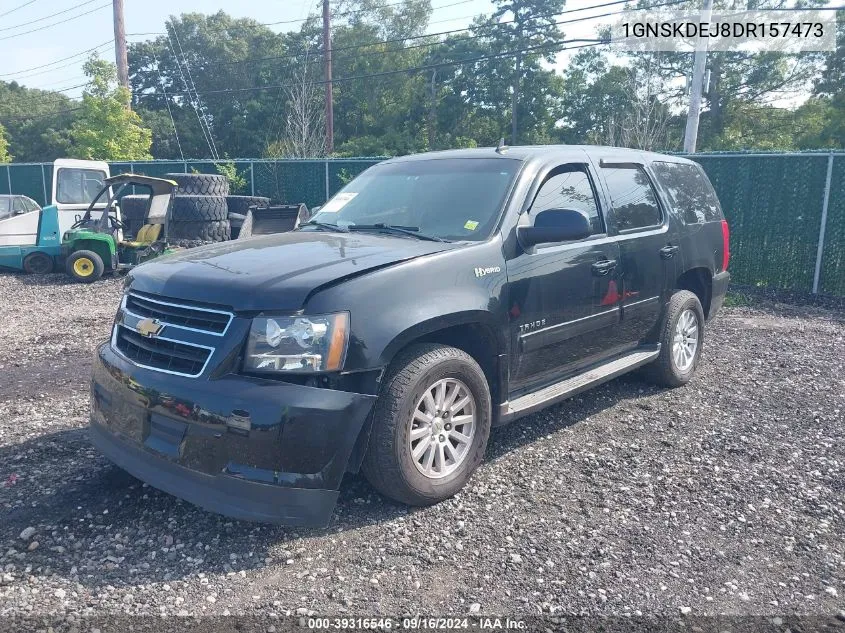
(690,192)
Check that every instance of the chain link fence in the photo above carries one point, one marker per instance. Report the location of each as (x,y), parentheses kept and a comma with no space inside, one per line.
(786,211)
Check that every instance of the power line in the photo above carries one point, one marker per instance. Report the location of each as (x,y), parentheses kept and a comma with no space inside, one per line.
(300,20)
(592,42)
(56,61)
(20,6)
(169,111)
(47,17)
(30,117)
(202,110)
(191,100)
(451,32)
(47,26)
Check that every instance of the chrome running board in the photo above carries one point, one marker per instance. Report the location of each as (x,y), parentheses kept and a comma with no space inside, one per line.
(547,396)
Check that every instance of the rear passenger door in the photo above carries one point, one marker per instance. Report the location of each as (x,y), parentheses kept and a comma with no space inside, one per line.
(648,245)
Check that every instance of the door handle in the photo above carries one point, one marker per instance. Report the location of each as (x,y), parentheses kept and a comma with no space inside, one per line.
(603,267)
(668,252)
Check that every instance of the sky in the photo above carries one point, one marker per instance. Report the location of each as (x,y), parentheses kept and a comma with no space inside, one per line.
(84,24)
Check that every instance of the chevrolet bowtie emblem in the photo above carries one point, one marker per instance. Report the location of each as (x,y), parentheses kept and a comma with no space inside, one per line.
(149,328)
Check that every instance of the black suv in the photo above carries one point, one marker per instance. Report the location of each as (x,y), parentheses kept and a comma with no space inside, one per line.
(434,297)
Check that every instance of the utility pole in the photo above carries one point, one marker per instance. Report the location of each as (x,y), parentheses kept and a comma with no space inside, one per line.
(517,71)
(327,52)
(120,44)
(698,67)
(432,110)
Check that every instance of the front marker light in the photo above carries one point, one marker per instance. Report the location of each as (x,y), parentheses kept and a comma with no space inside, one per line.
(297,344)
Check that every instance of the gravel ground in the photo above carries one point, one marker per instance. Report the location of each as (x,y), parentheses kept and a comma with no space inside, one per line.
(724,497)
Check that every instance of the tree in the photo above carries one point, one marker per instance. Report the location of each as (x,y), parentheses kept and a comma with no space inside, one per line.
(304,133)
(106,129)
(532,25)
(229,63)
(5,157)
(829,104)
(36,122)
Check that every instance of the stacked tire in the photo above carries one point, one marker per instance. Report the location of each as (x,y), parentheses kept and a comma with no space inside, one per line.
(200,212)
(239,206)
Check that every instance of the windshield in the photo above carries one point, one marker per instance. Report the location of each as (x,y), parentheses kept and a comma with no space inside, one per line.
(78,186)
(452,199)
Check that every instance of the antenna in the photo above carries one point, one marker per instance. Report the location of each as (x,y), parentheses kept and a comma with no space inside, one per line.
(501,147)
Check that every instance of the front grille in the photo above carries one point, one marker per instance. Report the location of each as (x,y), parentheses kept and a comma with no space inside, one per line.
(203,319)
(161,354)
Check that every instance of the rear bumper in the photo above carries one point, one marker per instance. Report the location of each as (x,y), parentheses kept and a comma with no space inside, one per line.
(248,448)
(720,289)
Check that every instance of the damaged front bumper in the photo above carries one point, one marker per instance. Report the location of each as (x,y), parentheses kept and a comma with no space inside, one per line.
(248,448)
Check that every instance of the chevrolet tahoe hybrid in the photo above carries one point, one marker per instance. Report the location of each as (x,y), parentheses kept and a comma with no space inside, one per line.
(433,298)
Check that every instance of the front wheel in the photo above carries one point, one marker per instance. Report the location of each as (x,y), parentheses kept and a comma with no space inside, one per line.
(681,337)
(430,425)
(85,266)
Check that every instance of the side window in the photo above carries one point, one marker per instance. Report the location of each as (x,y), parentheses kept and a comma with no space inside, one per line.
(569,188)
(632,197)
(78,186)
(30,204)
(18,206)
(690,192)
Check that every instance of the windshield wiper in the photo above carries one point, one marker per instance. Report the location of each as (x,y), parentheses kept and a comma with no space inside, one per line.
(328,226)
(413,231)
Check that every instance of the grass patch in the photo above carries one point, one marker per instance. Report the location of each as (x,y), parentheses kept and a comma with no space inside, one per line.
(735,299)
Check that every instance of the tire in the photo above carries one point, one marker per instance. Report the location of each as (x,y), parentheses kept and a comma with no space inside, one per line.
(199,208)
(133,208)
(215,231)
(241,204)
(85,266)
(38,264)
(666,370)
(388,464)
(201,184)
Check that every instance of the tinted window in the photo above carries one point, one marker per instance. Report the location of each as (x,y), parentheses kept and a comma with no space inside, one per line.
(569,188)
(454,199)
(690,192)
(78,186)
(632,197)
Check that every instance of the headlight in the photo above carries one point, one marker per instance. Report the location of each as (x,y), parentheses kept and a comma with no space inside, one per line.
(297,344)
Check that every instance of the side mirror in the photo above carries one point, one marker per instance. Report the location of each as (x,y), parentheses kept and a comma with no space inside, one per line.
(555,225)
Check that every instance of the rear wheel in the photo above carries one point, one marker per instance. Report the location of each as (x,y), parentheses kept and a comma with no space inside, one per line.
(38,264)
(85,266)
(430,425)
(681,337)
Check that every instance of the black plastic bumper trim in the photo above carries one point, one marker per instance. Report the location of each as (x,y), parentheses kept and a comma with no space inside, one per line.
(223,494)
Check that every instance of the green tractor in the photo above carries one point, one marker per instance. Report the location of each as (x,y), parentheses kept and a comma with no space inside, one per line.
(95,245)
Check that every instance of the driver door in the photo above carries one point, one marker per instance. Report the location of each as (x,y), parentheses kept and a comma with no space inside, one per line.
(564,302)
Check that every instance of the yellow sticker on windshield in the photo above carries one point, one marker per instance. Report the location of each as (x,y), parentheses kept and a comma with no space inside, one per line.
(471,225)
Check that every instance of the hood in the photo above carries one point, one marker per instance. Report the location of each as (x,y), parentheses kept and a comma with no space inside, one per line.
(273,272)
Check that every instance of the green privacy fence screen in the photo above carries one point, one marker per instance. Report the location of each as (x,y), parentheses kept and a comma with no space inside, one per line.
(786,211)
